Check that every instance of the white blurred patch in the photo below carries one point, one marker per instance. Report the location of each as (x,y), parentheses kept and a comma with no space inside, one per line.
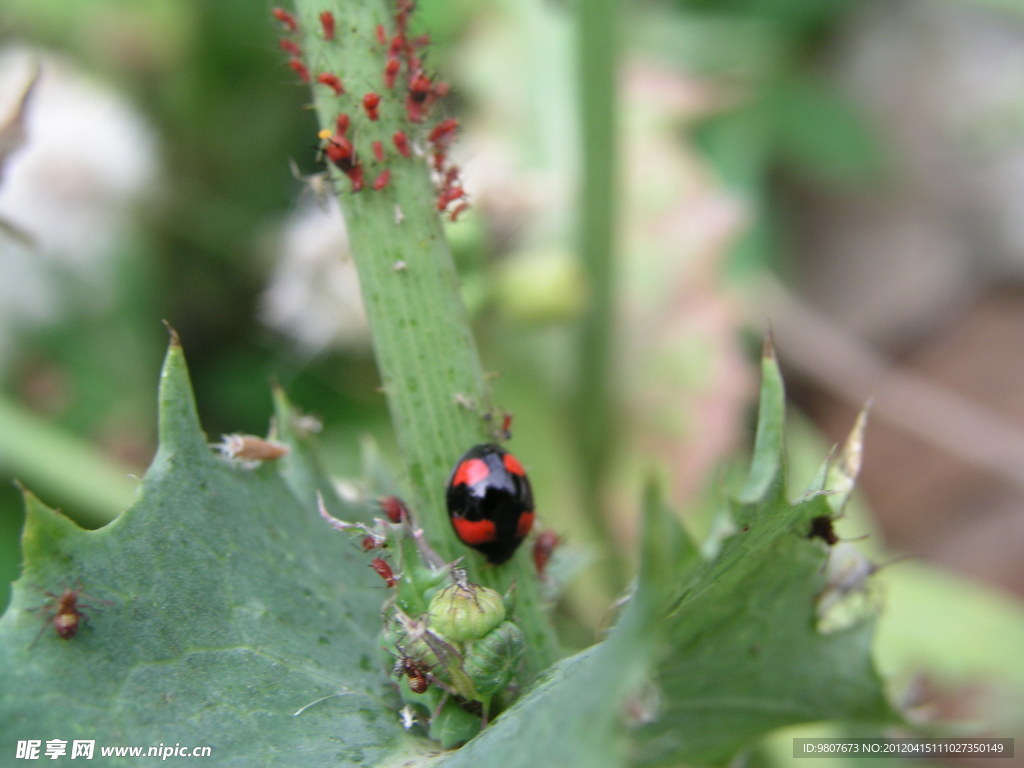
(88,157)
(313,294)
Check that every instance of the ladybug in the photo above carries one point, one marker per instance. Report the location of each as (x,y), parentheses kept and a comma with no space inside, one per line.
(490,502)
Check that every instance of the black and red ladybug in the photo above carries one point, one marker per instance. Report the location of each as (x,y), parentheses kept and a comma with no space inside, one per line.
(490,502)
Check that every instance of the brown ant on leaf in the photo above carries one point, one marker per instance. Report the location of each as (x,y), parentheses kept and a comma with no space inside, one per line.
(64,612)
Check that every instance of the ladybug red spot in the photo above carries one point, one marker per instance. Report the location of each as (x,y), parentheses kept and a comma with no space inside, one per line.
(512,465)
(473,533)
(470,472)
(524,525)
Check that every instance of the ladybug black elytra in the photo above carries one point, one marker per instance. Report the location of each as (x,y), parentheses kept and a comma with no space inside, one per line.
(490,501)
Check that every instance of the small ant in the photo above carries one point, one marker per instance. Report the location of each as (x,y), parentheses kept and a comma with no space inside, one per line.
(417,673)
(66,615)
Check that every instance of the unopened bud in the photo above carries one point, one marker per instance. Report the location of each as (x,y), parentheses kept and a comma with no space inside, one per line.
(463,612)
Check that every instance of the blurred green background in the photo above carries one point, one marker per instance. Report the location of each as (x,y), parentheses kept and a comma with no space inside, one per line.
(850,173)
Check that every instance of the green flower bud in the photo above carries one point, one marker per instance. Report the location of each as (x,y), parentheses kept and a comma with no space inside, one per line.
(463,612)
(493,660)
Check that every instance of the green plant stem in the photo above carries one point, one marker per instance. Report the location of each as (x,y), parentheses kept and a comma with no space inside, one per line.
(421,335)
(595,415)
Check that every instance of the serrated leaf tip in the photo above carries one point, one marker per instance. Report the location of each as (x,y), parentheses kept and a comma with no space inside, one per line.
(174,341)
(768,346)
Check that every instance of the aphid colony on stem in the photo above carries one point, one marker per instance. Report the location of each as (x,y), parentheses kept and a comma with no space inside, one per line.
(405,90)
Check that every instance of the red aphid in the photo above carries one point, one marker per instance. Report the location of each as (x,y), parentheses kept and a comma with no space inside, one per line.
(383,180)
(451,176)
(441,89)
(381,567)
(341,123)
(405,7)
(355,176)
(382,35)
(290,22)
(339,150)
(327,23)
(438,159)
(397,46)
(300,69)
(378,151)
(372,542)
(290,46)
(506,426)
(418,101)
(371,103)
(332,81)
(391,70)
(449,195)
(420,87)
(394,508)
(442,134)
(401,143)
(457,211)
(542,549)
